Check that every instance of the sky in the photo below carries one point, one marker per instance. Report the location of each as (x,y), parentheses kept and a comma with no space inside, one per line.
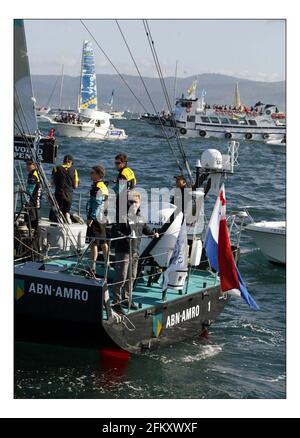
(249,49)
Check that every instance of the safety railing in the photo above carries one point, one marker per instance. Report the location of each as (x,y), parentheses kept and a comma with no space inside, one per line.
(132,274)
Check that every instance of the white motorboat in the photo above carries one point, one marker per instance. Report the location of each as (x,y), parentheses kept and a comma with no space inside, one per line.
(117,115)
(281,143)
(270,238)
(42,111)
(194,118)
(89,121)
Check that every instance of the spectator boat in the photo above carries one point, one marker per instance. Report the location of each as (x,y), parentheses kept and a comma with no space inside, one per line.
(270,237)
(89,122)
(194,118)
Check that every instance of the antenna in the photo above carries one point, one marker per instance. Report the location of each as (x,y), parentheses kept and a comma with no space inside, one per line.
(61,85)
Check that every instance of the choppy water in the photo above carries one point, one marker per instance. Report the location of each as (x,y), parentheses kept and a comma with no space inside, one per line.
(244,356)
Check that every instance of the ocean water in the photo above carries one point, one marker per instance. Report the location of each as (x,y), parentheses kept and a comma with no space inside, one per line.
(244,355)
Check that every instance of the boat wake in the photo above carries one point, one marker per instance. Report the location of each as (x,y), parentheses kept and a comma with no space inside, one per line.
(207,351)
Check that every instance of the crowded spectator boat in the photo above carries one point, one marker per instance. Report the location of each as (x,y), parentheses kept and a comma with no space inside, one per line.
(88,122)
(194,117)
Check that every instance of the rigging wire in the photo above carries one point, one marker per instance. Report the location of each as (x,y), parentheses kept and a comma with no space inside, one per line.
(52,93)
(114,67)
(150,98)
(33,147)
(160,74)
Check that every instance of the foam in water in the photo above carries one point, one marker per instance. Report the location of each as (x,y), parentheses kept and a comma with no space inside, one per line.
(206,352)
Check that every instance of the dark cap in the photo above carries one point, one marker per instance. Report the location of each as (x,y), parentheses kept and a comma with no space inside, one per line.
(68,157)
(29,162)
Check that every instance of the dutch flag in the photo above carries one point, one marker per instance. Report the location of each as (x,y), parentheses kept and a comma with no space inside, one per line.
(218,250)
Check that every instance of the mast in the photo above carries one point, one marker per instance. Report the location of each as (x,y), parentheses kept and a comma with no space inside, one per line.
(237,99)
(175,83)
(52,93)
(61,85)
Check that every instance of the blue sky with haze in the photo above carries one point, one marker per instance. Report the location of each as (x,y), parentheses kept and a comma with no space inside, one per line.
(249,49)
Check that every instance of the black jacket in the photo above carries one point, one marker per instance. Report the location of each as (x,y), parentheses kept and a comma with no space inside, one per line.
(136,224)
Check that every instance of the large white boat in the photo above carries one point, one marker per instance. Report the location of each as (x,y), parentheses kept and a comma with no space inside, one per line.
(89,121)
(193,117)
(270,237)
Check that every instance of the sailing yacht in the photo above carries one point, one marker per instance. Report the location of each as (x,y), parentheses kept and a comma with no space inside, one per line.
(194,118)
(88,122)
(178,295)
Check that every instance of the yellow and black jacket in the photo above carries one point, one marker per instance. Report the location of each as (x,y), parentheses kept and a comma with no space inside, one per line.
(65,179)
(33,188)
(126,175)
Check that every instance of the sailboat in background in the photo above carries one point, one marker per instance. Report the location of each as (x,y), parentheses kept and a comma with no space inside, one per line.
(237,98)
(119,115)
(88,121)
(43,111)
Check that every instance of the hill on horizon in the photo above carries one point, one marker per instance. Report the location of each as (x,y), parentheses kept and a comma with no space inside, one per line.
(219,90)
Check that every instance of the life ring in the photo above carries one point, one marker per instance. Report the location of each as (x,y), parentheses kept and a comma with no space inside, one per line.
(202,133)
(248,136)
(265,136)
(183,131)
(268,112)
(228,135)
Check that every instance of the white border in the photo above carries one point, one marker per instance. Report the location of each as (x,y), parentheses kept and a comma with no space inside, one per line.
(140,408)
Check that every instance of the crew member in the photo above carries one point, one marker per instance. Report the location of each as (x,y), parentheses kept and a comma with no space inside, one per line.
(178,198)
(34,190)
(97,215)
(65,179)
(204,181)
(134,226)
(125,181)
(126,176)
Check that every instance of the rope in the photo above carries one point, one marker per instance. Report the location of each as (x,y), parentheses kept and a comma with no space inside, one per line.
(164,88)
(31,249)
(125,320)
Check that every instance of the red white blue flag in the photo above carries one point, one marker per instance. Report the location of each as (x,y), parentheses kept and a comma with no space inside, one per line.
(219,253)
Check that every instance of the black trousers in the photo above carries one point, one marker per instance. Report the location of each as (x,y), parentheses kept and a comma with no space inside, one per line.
(64,202)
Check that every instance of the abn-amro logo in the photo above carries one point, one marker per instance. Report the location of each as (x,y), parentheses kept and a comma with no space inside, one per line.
(19,288)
